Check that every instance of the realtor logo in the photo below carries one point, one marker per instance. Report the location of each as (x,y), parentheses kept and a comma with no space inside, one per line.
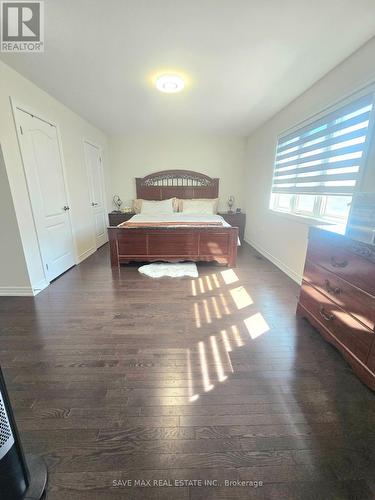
(22,26)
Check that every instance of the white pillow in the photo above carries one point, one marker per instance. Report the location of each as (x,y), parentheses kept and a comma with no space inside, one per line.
(137,205)
(157,207)
(200,206)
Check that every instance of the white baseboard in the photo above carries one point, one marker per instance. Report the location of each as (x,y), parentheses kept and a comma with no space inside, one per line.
(86,254)
(283,267)
(16,291)
(39,287)
(23,291)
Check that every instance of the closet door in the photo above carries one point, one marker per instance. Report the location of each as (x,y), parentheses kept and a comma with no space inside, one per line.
(44,174)
(97,196)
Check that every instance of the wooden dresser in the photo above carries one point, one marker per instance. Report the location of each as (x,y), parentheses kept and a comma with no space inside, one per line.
(338,296)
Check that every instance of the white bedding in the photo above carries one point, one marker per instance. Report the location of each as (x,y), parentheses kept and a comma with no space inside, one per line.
(181,217)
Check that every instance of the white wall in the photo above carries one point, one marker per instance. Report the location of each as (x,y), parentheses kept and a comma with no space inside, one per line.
(137,156)
(13,268)
(282,239)
(73,132)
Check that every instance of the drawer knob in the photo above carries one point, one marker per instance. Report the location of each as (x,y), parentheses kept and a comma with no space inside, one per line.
(325,315)
(334,263)
(332,289)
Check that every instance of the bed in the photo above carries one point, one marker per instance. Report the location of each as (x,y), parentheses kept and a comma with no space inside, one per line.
(176,238)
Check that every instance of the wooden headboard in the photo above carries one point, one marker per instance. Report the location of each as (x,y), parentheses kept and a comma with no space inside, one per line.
(184,184)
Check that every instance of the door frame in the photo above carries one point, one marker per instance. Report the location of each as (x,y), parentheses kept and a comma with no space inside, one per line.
(18,105)
(88,173)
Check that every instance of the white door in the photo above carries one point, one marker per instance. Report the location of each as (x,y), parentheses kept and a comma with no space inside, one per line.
(97,197)
(44,174)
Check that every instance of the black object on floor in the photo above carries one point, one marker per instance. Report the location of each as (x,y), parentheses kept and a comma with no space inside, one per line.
(20,477)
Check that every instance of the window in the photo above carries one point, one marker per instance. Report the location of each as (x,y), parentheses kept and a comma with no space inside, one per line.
(318,167)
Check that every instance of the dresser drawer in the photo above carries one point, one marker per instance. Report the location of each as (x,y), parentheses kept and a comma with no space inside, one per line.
(348,297)
(335,255)
(341,325)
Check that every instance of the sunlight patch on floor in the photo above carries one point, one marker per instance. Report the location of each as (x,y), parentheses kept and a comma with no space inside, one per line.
(240,297)
(237,336)
(207,311)
(192,397)
(226,342)
(204,284)
(197,315)
(218,363)
(229,276)
(214,364)
(208,282)
(224,304)
(256,325)
(215,280)
(204,367)
(227,361)
(216,308)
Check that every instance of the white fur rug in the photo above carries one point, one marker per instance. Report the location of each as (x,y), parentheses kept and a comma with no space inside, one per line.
(159,270)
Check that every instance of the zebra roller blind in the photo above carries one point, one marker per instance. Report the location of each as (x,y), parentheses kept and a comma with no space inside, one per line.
(326,156)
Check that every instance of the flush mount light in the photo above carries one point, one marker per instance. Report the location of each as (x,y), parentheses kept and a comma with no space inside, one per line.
(170,84)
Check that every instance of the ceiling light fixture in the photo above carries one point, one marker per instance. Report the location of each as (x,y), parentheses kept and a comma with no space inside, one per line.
(170,84)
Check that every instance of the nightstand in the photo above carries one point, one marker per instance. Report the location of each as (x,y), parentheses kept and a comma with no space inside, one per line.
(116,218)
(236,220)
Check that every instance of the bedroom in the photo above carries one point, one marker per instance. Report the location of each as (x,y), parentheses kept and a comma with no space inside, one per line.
(252,377)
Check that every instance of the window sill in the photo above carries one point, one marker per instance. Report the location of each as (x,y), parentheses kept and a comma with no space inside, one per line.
(301,219)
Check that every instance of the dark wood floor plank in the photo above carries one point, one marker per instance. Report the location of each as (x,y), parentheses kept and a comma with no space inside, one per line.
(118,376)
(96,461)
(312,490)
(95,480)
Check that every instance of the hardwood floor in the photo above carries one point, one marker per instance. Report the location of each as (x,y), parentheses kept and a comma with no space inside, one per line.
(116,377)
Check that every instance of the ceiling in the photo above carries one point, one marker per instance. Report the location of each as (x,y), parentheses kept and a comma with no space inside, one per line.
(243,59)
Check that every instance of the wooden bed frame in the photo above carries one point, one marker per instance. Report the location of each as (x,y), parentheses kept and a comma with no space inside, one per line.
(178,243)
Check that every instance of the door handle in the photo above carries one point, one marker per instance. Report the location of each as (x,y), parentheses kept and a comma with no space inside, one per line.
(332,289)
(94,204)
(65,208)
(326,316)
